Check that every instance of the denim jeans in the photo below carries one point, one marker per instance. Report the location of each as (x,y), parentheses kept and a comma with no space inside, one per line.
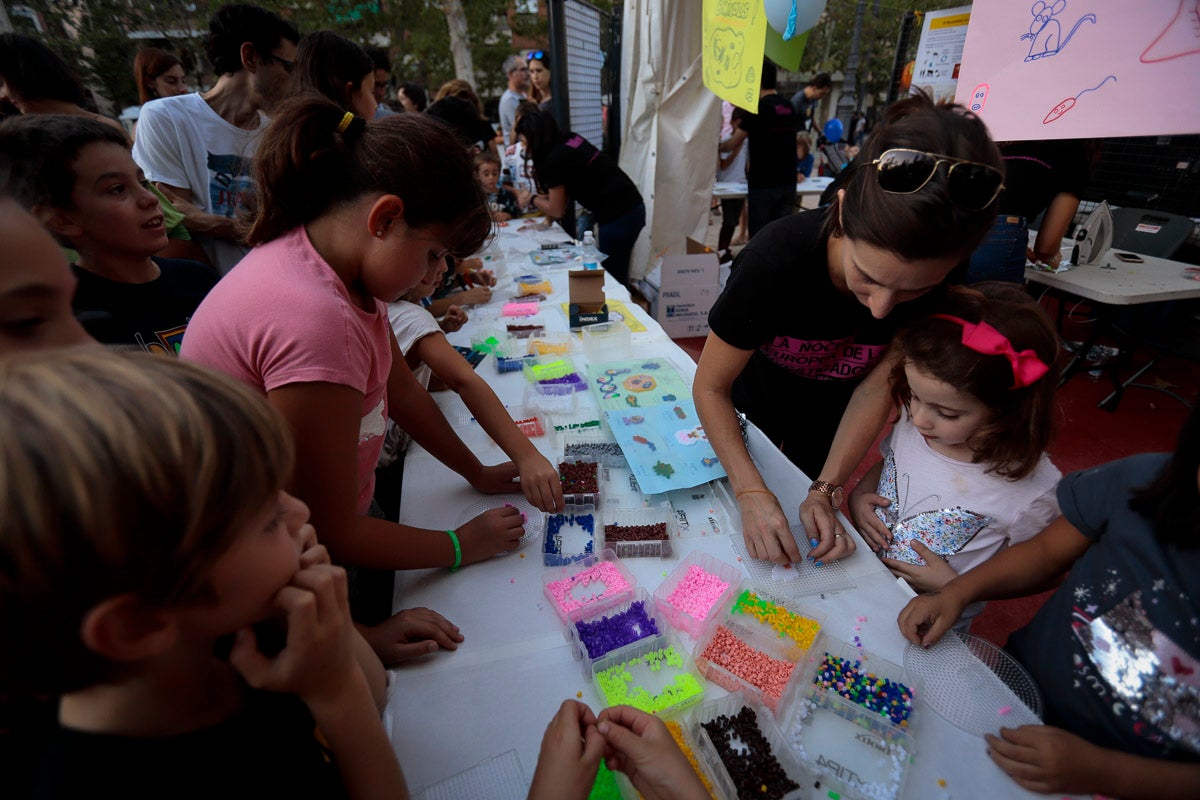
(1001,256)
(616,241)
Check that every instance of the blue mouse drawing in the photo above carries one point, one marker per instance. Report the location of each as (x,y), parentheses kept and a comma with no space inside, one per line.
(1045,32)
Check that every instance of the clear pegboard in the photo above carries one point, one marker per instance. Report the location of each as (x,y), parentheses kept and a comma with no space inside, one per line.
(973,684)
(498,778)
(802,579)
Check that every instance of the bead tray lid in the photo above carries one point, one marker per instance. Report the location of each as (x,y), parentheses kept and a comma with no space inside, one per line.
(576,587)
(692,618)
(857,753)
(641,676)
(730,705)
(625,626)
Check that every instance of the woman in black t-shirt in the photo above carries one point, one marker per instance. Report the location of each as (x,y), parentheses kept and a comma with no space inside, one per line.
(570,169)
(799,335)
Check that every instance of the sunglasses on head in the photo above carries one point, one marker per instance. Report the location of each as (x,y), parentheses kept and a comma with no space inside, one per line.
(536,55)
(972,185)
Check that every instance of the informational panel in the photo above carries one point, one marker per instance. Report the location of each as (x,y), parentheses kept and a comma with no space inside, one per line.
(584,62)
(734,33)
(940,52)
(1065,69)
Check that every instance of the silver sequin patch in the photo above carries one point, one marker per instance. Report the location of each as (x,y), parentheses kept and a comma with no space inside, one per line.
(1146,671)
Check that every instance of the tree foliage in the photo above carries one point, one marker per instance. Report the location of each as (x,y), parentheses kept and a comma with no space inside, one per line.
(94,36)
(828,47)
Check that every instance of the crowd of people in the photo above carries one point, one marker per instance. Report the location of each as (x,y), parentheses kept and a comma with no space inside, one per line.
(196,570)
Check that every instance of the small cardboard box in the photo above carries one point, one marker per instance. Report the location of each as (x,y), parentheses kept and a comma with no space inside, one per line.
(587,303)
(699,266)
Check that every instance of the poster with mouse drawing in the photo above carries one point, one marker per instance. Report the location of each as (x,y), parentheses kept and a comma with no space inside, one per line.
(1066,69)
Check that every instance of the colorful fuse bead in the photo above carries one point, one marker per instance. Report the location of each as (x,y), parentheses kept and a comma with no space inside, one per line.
(635,533)
(552,548)
(601,574)
(884,696)
(698,592)
(756,668)
(610,632)
(798,628)
(616,683)
(605,786)
(755,770)
(579,477)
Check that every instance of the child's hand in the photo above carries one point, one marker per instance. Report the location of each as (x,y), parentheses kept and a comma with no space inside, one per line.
(570,756)
(478,275)
(540,482)
(412,633)
(497,530)
(936,573)
(819,519)
(641,746)
(926,618)
(523,197)
(497,479)
(862,512)
(317,662)
(1048,760)
(475,296)
(766,530)
(454,319)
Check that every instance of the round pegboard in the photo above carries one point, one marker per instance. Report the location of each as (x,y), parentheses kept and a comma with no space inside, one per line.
(535,521)
(957,678)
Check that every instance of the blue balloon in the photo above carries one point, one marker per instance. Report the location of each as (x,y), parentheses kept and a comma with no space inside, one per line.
(833,130)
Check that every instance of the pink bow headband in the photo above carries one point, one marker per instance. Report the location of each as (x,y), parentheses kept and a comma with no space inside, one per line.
(983,338)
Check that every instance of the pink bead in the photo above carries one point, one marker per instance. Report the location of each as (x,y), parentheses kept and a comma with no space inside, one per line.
(602,572)
(697,592)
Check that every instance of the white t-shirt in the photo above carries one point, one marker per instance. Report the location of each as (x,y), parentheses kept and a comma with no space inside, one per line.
(955,507)
(736,171)
(410,323)
(508,112)
(519,175)
(182,142)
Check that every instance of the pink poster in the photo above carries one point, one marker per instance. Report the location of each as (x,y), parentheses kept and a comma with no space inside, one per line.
(1065,69)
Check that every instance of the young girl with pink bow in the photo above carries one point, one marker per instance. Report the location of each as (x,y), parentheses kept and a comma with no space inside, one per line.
(964,470)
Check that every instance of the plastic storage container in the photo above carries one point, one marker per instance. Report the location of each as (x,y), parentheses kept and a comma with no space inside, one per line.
(775,618)
(634,532)
(551,343)
(596,579)
(689,612)
(581,482)
(753,754)
(594,444)
(572,535)
(549,398)
(856,753)
(604,626)
(869,682)
(655,675)
(742,658)
(606,341)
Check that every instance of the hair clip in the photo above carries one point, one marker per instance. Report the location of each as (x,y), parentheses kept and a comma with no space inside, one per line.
(981,337)
(347,118)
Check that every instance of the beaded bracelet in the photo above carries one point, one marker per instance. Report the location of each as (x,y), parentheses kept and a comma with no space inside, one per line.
(457,551)
(738,496)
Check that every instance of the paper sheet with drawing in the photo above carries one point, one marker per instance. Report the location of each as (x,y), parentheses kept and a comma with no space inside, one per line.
(1059,69)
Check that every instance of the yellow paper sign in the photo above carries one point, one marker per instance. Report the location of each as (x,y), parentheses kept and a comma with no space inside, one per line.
(734,33)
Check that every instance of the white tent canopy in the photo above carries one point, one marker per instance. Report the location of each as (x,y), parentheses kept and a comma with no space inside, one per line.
(671,125)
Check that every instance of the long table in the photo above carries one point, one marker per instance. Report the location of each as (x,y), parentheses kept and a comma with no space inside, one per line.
(809,187)
(491,699)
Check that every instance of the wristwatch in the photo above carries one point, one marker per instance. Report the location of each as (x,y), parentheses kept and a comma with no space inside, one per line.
(834,493)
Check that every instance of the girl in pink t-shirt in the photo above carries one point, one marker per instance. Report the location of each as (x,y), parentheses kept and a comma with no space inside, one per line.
(350,217)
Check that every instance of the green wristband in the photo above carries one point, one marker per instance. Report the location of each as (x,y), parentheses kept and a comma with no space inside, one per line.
(457,551)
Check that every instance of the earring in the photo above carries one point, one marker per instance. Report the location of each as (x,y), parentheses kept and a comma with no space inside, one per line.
(379,234)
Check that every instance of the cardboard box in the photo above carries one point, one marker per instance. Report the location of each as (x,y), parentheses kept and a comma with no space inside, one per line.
(698,267)
(587,302)
(684,312)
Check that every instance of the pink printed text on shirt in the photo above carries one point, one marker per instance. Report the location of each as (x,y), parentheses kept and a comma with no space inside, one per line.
(823,359)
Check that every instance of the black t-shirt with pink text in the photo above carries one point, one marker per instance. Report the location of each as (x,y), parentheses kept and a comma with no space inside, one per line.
(812,344)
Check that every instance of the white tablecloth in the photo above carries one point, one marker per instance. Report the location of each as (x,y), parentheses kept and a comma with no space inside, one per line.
(496,693)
